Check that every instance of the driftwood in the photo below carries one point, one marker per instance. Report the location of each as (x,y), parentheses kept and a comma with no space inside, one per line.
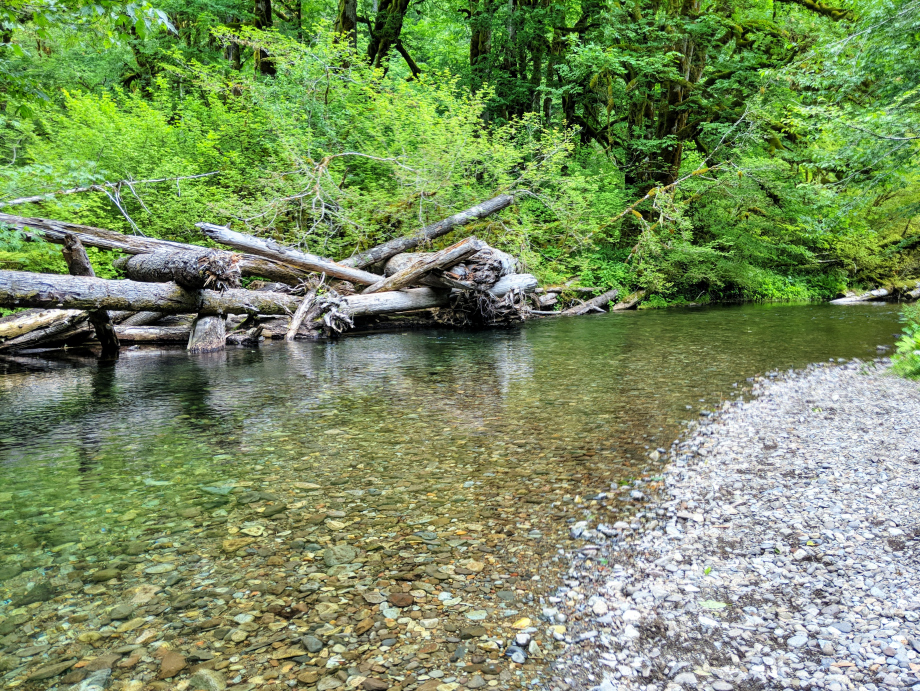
(56,231)
(485,268)
(865,297)
(285,255)
(308,304)
(598,302)
(199,268)
(24,289)
(447,257)
(79,265)
(208,334)
(428,233)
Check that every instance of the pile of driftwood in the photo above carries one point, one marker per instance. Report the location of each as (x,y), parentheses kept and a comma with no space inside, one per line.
(178,293)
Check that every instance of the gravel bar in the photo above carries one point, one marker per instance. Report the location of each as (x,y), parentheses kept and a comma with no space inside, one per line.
(777,551)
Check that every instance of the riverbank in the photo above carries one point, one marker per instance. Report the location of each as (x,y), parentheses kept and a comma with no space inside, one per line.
(779,552)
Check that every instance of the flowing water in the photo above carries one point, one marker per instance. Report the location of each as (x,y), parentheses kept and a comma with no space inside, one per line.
(258,496)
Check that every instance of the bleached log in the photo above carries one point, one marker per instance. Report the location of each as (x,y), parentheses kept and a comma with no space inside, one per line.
(21,323)
(631,301)
(286,255)
(74,324)
(427,263)
(56,231)
(864,297)
(430,232)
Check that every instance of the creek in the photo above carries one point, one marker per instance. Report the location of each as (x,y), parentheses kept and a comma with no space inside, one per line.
(445,465)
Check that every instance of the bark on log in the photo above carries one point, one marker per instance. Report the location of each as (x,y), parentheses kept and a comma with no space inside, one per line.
(209,334)
(79,265)
(75,321)
(21,323)
(286,255)
(24,289)
(429,262)
(865,297)
(192,269)
(599,302)
(631,301)
(153,334)
(428,233)
(485,267)
(307,310)
(139,319)
(56,231)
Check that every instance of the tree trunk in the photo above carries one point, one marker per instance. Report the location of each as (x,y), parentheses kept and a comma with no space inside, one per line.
(287,255)
(430,232)
(631,301)
(306,307)
(421,266)
(263,63)
(21,323)
(865,297)
(208,334)
(79,265)
(346,21)
(55,231)
(192,269)
(387,27)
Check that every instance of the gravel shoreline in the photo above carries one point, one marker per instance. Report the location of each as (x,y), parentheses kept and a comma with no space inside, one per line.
(778,550)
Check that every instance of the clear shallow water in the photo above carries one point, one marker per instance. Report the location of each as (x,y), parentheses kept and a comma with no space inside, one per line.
(500,435)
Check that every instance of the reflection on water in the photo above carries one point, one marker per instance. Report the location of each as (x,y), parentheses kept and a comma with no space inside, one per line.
(399,431)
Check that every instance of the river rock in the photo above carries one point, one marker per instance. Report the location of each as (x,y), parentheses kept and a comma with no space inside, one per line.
(339,554)
(207,680)
(171,664)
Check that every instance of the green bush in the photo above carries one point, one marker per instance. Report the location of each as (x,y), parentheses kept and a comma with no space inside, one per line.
(907,357)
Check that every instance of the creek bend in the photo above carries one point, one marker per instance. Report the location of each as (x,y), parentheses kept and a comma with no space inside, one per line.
(385,507)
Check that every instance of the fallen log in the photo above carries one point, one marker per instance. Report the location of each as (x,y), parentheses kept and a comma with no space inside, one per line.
(631,301)
(193,269)
(865,297)
(21,323)
(308,305)
(447,257)
(71,325)
(153,334)
(599,302)
(435,230)
(56,231)
(24,289)
(285,255)
(79,265)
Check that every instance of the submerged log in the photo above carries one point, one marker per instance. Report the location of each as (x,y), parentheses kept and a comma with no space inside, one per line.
(286,255)
(594,303)
(410,273)
(56,231)
(79,265)
(193,269)
(208,334)
(428,233)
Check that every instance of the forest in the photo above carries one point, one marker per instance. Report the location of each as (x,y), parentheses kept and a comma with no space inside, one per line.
(698,150)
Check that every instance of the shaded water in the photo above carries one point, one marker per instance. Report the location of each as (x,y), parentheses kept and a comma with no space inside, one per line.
(419,448)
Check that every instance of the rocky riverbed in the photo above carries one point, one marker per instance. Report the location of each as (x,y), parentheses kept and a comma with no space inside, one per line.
(779,553)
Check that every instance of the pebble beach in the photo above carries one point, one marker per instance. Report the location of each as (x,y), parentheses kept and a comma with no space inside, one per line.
(777,551)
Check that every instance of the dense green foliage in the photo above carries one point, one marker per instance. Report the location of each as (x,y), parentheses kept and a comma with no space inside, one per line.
(774,144)
(907,357)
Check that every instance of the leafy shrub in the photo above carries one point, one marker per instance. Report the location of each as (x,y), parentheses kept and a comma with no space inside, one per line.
(907,357)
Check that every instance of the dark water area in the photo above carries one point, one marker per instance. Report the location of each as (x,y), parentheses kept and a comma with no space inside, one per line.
(424,449)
